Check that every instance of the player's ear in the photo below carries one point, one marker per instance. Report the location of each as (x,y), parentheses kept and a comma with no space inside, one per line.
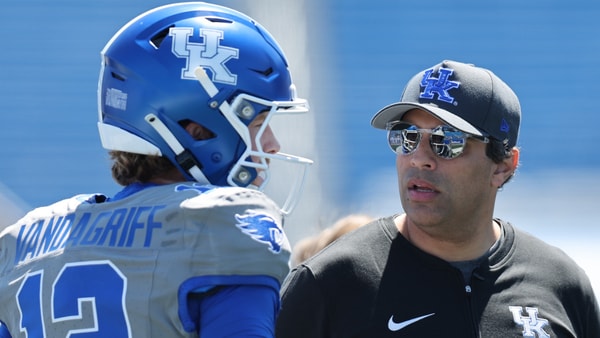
(506,168)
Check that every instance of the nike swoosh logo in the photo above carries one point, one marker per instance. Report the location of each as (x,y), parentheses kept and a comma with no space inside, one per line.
(393,326)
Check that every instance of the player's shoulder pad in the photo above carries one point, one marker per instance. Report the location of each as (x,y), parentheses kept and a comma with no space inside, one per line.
(234,215)
(61,207)
(228,197)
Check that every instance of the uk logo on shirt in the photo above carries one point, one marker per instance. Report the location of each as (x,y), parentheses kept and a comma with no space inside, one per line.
(533,326)
(209,54)
(261,228)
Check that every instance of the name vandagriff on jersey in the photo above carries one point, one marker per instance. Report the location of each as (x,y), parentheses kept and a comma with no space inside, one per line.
(122,227)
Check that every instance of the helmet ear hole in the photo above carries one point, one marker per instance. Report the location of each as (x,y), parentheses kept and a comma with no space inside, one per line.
(197,131)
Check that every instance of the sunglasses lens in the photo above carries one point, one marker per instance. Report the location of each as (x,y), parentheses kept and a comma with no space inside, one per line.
(410,139)
(403,138)
(394,139)
(446,142)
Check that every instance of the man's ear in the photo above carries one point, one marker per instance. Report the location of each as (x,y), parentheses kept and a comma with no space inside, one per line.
(506,168)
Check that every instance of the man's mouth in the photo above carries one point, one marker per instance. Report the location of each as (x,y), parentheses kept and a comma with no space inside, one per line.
(419,188)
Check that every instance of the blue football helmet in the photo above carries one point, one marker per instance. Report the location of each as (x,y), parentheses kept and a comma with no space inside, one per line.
(202,63)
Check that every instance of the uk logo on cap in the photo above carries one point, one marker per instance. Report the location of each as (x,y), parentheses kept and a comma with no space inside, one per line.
(439,86)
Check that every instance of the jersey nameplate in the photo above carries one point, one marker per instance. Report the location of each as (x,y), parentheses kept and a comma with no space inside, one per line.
(123,227)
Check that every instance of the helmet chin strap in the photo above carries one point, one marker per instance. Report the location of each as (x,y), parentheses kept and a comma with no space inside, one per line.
(185,159)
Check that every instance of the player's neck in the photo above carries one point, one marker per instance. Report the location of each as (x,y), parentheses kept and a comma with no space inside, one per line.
(171,176)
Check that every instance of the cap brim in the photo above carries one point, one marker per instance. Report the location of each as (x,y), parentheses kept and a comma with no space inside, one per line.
(395,111)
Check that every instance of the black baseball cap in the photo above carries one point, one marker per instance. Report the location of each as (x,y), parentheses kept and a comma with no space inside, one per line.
(469,98)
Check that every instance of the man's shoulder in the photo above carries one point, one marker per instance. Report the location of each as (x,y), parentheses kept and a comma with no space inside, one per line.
(357,248)
(533,244)
(527,247)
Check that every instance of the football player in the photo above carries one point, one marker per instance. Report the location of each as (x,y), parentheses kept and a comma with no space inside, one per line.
(191,245)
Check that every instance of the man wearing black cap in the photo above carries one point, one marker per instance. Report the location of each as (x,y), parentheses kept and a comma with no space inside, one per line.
(445,267)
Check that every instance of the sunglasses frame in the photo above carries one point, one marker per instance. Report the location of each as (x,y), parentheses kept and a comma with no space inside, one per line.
(449,148)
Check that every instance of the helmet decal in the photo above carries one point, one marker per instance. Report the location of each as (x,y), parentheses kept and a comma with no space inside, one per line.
(115,98)
(209,54)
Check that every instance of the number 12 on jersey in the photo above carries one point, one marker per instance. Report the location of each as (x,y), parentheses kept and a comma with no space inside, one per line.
(99,283)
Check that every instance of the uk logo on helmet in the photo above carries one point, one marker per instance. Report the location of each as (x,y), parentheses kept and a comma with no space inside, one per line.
(209,54)
(439,86)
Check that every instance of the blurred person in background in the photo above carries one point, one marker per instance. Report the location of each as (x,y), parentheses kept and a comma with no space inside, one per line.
(308,247)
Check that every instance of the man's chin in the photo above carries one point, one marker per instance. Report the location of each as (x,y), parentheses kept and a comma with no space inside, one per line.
(256,183)
(259,180)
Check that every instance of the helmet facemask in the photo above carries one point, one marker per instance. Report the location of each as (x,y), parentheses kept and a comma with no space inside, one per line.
(255,161)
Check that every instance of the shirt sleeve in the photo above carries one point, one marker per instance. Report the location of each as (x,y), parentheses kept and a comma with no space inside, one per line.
(238,311)
(593,320)
(4,331)
(302,311)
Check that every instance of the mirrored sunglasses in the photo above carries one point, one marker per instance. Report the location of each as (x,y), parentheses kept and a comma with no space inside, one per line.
(445,141)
